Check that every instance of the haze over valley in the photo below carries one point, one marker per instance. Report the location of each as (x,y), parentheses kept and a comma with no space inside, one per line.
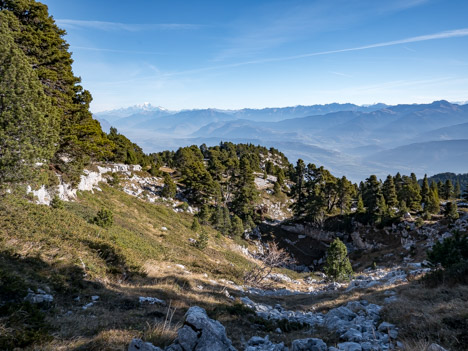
(348,139)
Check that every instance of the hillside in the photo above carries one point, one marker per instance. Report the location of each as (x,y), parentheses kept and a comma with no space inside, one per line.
(220,246)
(101,287)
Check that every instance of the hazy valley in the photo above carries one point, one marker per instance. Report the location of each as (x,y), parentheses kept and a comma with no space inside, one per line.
(348,139)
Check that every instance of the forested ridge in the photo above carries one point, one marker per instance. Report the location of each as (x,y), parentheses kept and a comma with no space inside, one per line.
(44,111)
(47,128)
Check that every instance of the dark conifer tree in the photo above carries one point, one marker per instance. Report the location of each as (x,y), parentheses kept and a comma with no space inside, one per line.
(451,211)
(298,189)
(170,188)
(425,192)
(29,124)
(371,195)
(457,190)
(389,192)
(237,226)
(246,194)
(433,203)
(447,189)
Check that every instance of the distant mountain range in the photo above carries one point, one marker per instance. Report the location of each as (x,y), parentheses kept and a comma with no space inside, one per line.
(348,139)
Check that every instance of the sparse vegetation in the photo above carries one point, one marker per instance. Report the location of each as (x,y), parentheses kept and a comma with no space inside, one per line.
(272,258)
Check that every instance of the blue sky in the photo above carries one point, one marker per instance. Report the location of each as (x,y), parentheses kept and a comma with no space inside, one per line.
(235,54)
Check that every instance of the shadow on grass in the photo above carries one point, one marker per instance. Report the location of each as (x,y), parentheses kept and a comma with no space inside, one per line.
(23,323)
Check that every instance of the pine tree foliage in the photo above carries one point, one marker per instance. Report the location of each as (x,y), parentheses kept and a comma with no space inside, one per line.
(425,191)
(433,202)
(104,218)
(451,211)
(195,225)
(202,241)
(170,188)
(125,151)
(245,194)
(28,121)
(237,227)
(36,34)
(457,190)
(337,266)
(372,194)
(447,192)
(389,192)
(465,195)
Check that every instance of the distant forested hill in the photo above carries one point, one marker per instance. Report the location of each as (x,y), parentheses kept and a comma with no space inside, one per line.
(442,177)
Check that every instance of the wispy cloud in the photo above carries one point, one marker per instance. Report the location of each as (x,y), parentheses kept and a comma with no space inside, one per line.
(117,26)
(273,25)
(457,33)
(441,35)
(341,74)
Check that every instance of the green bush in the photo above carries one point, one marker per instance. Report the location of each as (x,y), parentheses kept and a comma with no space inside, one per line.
(104,218)
(195,225)
(451,251)
(338,266)
(202,241)
(452,255)
(57,203)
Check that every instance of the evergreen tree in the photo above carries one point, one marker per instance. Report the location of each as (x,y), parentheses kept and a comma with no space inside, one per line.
(389,192)
(237,226)
(170,188)
(29,124)
(280,177)
(249,224)
(447,189)
(440,189)
(202,241)
(36,34)
(425,192)
(246,193)
(277,189)
(227,228)
(382,209)
(371,195)
(104,218)
(204,214)
(360,206)
(411,192)
(298,189)
(199,185)
(457,191)
(337,266)
(57,203)
(195,225)
(403,208)
(451,211)
(217,218)
(346,191)
(398,181)
(465,194)
(433,203)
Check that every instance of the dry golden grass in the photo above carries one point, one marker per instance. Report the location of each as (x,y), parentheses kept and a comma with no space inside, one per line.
(433,315)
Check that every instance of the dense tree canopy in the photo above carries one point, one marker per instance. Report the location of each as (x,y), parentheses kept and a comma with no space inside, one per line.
(28,121)
(38,37)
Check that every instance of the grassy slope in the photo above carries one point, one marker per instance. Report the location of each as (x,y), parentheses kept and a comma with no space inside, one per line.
(58,249)
(41,247)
